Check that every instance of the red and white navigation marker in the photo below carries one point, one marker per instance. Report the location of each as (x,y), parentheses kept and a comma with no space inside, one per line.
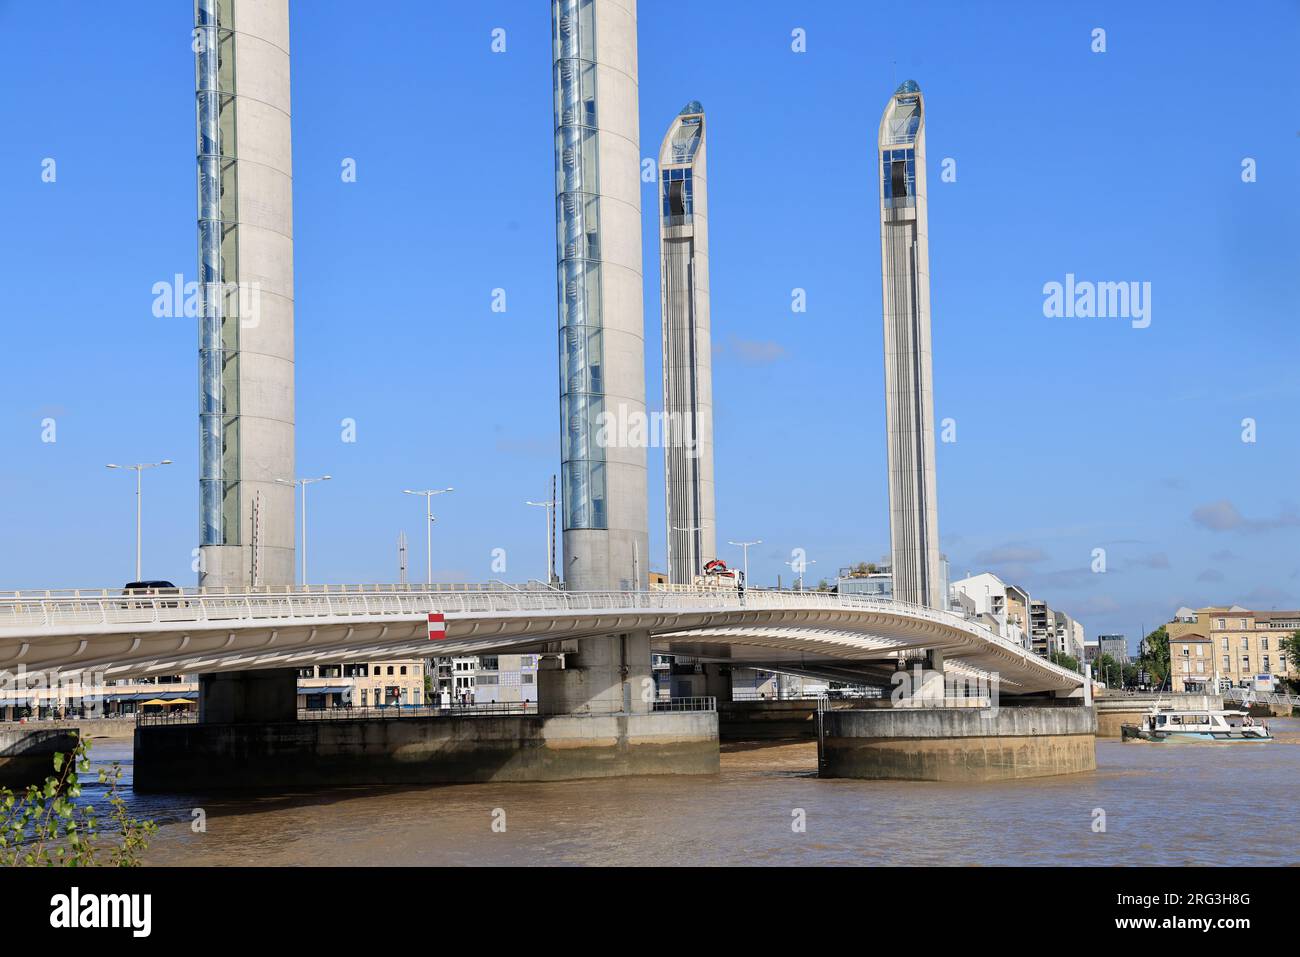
(437,626)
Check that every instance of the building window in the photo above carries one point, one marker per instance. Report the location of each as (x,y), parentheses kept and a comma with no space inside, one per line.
(403,669)
(1227,663)
(1263,643)
(1245,643)
(1221,624)
(898,173)
(1265,668)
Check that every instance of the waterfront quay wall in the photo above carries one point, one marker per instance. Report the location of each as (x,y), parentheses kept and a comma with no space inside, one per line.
(957,744)
(123,728)
(423,750)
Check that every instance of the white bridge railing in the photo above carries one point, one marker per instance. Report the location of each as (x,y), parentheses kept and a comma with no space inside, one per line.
(197,605)
(103,608)
(1246,695)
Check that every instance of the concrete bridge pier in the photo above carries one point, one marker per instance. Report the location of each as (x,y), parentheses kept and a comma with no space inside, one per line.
(605,675)
(717,682)
(247,697)
(599,698)
(957,744)
(597,718)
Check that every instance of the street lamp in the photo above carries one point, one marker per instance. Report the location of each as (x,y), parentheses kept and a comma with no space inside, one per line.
(428,494)
(139,502)
(304,482)
(550,562)
(745,547)
(800,565)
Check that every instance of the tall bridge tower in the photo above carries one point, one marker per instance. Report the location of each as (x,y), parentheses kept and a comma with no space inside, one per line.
(601,334)
(687,345)
(245,226)
(909,387)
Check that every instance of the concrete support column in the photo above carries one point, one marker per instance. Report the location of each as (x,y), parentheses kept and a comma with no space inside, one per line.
(249,697)
(717,682)
(605,675)
(932,681)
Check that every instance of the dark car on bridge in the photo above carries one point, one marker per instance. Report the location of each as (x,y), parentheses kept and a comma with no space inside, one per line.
(151,590)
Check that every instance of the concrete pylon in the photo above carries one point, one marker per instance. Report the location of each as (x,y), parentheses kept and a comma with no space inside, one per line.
(687,346)
(909,386)
(246,389)
(602,340)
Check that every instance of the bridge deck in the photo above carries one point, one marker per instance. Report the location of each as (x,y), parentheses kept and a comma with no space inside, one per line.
(194,631)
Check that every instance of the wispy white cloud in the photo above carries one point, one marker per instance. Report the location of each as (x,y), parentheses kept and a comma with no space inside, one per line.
(1223,516)
(1011,554)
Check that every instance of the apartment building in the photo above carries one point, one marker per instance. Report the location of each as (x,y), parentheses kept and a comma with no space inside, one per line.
(1191,663)
(485,679)
(1042,629)
(1114,645)
(369,684)
(1243,647)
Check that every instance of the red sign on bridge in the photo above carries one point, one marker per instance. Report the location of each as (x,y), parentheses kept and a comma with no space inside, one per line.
(437,626)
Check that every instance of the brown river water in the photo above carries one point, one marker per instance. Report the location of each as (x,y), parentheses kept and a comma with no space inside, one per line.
(1162,804)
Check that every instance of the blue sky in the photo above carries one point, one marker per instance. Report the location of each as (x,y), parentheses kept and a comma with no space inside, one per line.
(1072,434)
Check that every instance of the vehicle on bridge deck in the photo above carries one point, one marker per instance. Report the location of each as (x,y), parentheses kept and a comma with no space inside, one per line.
(1222,727)
(152,590)
(718,575)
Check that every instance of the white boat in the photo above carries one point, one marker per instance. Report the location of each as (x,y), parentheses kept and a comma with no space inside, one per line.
(1163,724)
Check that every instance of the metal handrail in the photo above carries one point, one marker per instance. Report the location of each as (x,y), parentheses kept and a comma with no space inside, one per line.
(698,703)
(746,694)
(1264,697)
(37,594)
